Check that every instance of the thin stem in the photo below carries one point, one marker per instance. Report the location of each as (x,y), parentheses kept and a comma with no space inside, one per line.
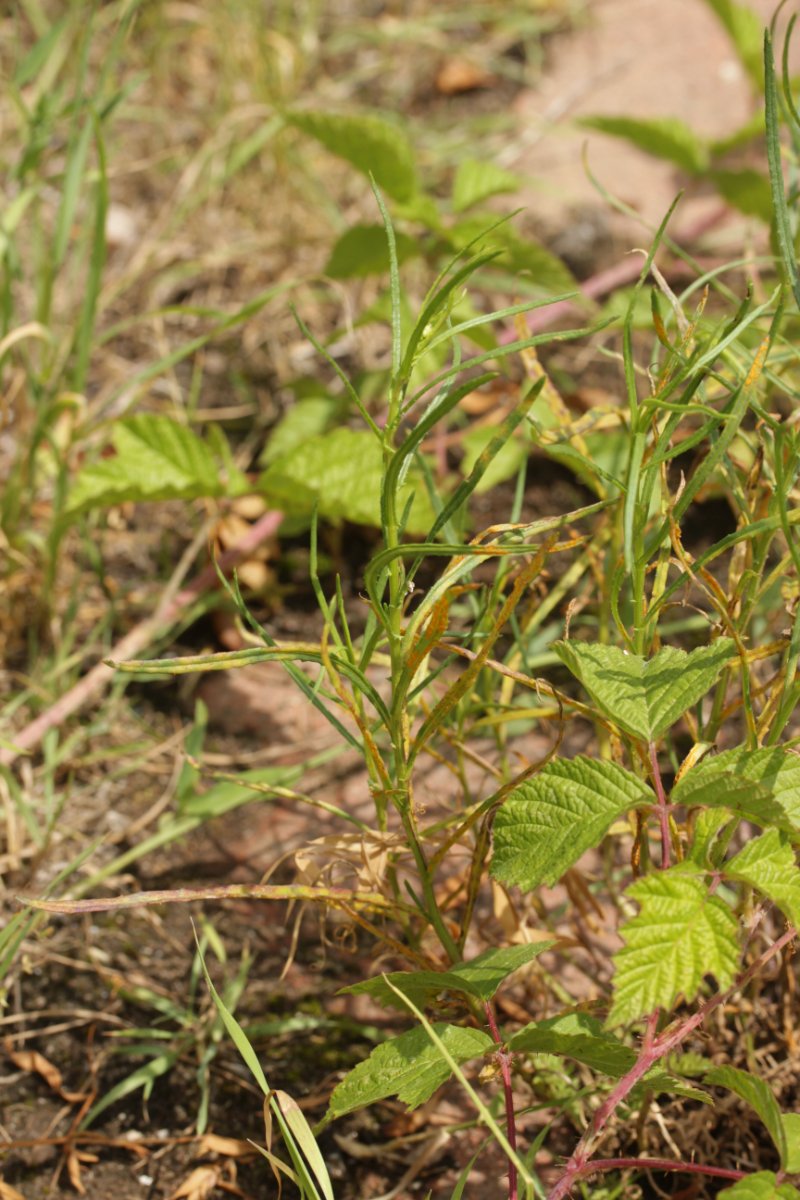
(504,1060)
(663,810)
(657,1164)
(652,1050)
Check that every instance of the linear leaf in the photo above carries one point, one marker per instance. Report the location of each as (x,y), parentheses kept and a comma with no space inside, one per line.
(768,864)
(791,1130)
(680,935)
(410,1067)
(579,1036)
(645,696)
(156,459)
(744,27)
(758,1095)
(371,144)
(479,977)
(763,1185)
(547,823)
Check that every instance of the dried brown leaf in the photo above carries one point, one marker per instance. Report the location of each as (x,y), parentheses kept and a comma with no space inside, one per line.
(199,1185)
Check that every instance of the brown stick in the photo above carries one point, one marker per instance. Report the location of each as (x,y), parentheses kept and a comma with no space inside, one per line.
(134,642)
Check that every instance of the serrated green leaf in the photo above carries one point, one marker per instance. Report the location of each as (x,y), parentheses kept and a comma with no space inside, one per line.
(478,179)
(363,251)
(305,419)
(768,864)
(547,823)
(763,1185)
(645,696)
(479,977)
(680,935)
(371,144)
(791,1131)
(663,1082)
(341,472)
(762,785)
(745,29)
(579,1036)
(505,464)
(758,1095)
(155,459)
(707,827)
(410,1067)
(662,137)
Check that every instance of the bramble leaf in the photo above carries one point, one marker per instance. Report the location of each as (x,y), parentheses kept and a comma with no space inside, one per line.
(371,144)
(746,30)
(410,1067)
(645,696)
(579,1036)
(155,459)
(758,1095)
(680,935)
(768,864)
(762,785)
(662,137)
(763,1185)
(546,823)
(479,977)
(363,250)
(341,472)
(477,179)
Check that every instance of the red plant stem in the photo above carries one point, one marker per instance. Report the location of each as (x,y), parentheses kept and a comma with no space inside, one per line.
(653,1049)
(504,1061)
(136,640)
(657,1164)
(663,810)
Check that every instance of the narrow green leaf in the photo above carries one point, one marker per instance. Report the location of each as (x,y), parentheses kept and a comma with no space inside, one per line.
(768,864)
(645,697)
(409,1066)
(363,251)
(762,785)
(763,1185)
(680,935)
(758,1095)
(371,144)
(579,1036)
(505,464)
(662,137)
(477,179)
(547,823)
(783,225)
(156,459)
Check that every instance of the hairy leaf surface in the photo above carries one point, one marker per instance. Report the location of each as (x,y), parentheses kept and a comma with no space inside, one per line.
(768,864)
(547,823)
(680,935)
(762,785)
(579,1036)
(645,696)
(410,1067)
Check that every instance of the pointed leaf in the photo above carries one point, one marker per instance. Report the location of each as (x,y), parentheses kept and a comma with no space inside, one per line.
(156,459)
(762,785)
(758,1095)
(763,1185)
(746,30)
(479,977)
(662,137)
(410,1067)
(477,179)
(363,250)
(680,935)
(522,255)
(371,144)
(645,696)
(579,1036)
(768,864)
(547,823)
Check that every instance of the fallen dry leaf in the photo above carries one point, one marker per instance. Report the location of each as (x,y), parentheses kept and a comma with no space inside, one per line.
(457,75)
(211,1143)
(199,1185)
(7,1192)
